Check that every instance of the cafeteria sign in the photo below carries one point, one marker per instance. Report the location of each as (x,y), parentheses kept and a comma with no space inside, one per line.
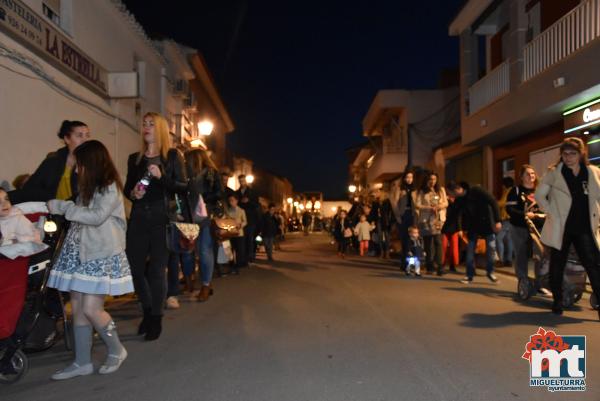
(582,118)
(34,32)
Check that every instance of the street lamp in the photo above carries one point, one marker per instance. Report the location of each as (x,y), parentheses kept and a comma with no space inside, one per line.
(205,127)
(301,206)
(249,178)
(290,201)
(309,205)
(317,205)
(352,188)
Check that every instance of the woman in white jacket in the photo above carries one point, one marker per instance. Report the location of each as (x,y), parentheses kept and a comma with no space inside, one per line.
(570,196)
(92,262)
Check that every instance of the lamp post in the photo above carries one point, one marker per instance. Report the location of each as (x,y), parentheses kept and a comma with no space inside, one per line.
(205,127)
(249,178)
(352,188)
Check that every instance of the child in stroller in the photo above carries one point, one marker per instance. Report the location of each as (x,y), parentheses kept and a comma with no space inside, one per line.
(415,253)
(29,310)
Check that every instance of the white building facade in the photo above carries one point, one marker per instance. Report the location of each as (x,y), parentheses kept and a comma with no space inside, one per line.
(80,60)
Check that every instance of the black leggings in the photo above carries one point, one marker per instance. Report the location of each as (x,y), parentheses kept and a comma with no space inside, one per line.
(343,245)
(148,255)
(589,256)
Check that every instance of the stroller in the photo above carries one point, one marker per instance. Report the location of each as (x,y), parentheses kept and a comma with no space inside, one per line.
(30,310)
(574,276)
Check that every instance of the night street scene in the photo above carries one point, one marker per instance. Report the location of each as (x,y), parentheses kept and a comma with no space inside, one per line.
(299,201)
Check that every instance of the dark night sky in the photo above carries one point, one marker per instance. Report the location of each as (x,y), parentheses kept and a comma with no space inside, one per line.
(298,77)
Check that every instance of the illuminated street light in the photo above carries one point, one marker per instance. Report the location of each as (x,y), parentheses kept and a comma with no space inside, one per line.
(309,205)
(195,143)
(317,205)
(352,188)
(290,200)
(296,204)
(301,206)
(205,127)
(249,178)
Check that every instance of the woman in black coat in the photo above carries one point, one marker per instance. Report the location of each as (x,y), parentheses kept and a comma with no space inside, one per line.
(154,176)
(340,232)
(55,177)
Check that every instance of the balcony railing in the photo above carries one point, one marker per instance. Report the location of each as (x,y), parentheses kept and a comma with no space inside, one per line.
(489,88)
(567,35)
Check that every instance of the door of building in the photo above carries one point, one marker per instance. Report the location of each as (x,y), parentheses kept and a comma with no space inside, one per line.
(542,159)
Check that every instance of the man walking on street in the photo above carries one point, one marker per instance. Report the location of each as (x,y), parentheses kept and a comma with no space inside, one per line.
(479,217)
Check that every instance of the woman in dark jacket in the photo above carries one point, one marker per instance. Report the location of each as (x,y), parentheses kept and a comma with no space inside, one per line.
(402,201)
(55,178)
(205,180)
(342,232)
(154,176)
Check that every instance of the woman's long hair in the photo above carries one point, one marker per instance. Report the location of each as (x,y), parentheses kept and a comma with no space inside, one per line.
(425,185)
(161,133)
(96,170)
(403,185)
(522,171)
(196,160)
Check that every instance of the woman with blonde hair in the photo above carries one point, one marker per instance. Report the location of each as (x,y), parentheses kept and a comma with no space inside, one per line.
(154,176)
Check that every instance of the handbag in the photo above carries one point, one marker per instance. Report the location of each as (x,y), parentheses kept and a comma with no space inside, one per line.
(181,237)
(224,228)
(224,254)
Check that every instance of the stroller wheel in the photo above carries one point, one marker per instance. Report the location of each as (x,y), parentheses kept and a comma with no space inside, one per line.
(13,370)
(524,289)
(594,301)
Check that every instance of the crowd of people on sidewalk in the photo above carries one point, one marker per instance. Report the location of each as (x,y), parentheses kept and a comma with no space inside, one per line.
(437,228)
(184,223)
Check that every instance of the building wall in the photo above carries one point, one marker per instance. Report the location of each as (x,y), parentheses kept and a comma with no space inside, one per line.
(521,149)
(32,110)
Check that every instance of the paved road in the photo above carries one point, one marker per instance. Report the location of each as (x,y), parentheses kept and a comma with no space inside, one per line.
(312,327)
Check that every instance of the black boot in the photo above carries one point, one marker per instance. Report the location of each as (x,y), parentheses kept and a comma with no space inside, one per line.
(557,308)
(154,328)
(143,327)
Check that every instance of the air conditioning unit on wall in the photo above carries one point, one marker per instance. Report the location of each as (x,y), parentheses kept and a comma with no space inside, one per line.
(123,85)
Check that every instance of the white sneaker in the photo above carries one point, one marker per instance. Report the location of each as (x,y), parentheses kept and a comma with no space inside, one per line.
(113,363)
(172,303)
(467,280)
(546,292)
(73,370)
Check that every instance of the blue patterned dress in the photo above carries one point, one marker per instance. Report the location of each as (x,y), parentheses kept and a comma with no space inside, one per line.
(110,276)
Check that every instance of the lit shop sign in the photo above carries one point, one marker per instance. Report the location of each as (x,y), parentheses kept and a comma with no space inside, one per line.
(582,118)
(38,35)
